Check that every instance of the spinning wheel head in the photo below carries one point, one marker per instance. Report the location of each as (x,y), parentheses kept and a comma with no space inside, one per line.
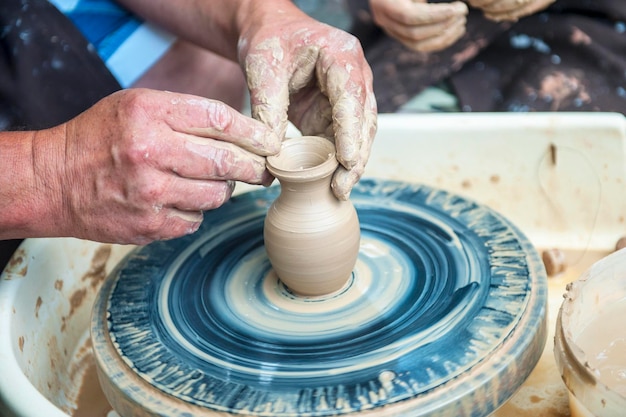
(446,303)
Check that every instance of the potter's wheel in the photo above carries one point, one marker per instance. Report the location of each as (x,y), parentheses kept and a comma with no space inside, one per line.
(444,315)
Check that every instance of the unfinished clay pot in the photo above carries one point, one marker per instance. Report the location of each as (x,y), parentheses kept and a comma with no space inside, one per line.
(311,237)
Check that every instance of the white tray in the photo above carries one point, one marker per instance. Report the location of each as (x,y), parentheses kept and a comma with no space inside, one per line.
(559,177)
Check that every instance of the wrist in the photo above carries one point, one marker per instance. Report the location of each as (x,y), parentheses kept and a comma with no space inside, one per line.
(252,15)
(30,191)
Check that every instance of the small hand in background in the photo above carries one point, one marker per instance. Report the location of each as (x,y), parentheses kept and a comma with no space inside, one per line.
(420,25)
(511,10)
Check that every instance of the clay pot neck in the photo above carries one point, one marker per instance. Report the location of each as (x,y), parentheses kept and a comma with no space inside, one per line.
(303,160)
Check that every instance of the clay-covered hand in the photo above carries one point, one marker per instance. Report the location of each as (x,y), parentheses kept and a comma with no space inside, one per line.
(509,10)
(420,25)
(314,75)
(142,165)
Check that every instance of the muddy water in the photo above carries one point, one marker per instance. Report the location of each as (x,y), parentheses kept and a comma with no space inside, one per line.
(604,342)
(542,395)
(91,401)
(88,398)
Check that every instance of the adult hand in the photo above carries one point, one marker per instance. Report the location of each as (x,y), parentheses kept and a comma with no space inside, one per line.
(511,10)
(420,25)
(142,165)
(314,75)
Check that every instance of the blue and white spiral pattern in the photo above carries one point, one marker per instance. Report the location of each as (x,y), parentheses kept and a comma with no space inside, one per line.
(441,282)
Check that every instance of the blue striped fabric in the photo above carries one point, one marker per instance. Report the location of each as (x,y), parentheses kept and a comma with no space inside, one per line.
(127,45)
(105,24)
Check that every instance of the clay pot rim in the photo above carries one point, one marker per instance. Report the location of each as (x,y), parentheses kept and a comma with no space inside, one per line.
(316,146)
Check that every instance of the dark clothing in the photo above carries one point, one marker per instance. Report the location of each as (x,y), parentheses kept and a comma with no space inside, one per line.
(570,57)
(48,72)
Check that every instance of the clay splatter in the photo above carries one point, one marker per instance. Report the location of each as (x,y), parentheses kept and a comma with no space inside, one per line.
(553,154)
(38,306)
(17,267)
(76,300)
(97,271)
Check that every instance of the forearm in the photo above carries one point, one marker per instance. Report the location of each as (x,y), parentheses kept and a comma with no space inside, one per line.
(30,201)
(211,24)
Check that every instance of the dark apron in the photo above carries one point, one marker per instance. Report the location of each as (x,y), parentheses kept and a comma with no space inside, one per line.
(48,73)
(570,57)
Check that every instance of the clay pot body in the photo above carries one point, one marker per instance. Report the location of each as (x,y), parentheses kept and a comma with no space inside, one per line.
(312,238)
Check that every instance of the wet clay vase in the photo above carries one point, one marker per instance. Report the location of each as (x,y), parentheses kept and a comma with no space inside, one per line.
(312,238)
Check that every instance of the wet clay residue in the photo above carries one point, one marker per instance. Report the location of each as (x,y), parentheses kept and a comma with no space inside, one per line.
(58,284)
(17,265)
(97,271)
(76,300)
(553,154)
(554,261)
(90,400)
(56,360)
(38,306)
(94,275)
(531,404)
(603,341)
